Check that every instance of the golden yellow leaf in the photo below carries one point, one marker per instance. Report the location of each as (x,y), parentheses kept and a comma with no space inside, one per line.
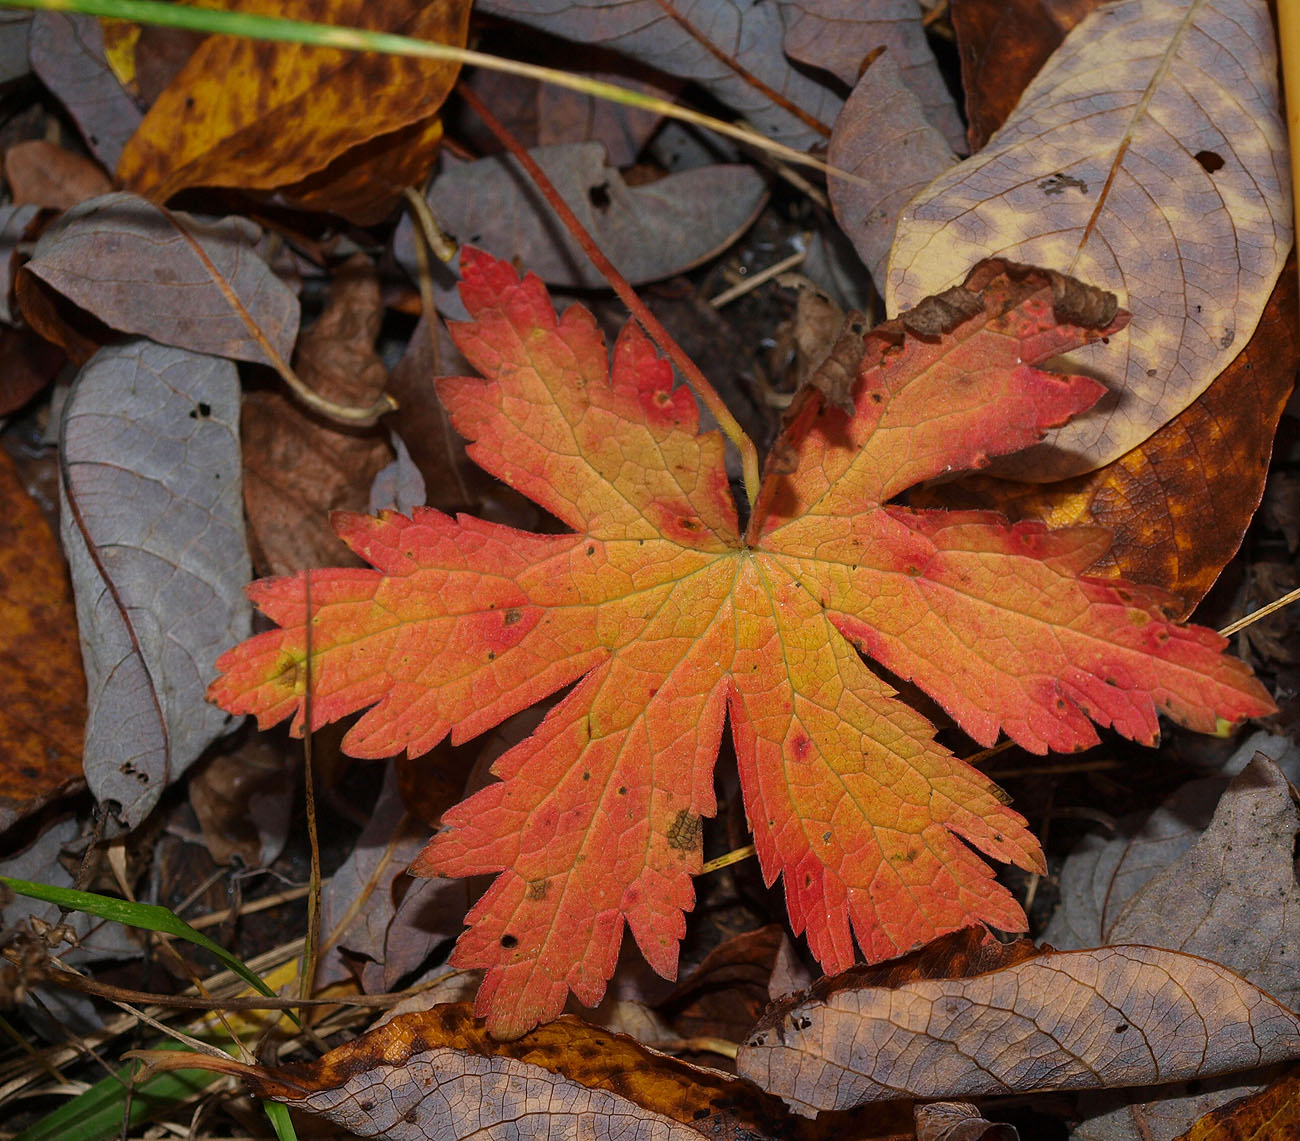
(256,115)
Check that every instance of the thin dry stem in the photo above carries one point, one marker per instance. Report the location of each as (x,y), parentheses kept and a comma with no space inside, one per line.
(695,378)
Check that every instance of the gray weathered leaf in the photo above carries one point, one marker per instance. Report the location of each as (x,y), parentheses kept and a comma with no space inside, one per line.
(14,221)
(15,35)
(648,232)
(840,35)
(363,913)
(1213,881)
(1148,157)
(67,53)
(695,39)
(884,137)
(1113,1016)
(168,276)
(152,521)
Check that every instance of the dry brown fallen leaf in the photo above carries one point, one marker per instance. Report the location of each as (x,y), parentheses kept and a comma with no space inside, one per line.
(43,173)
(1179,503)
(44,710)
(297,467)
(1023,1019)
(1001,47)
(436,1075)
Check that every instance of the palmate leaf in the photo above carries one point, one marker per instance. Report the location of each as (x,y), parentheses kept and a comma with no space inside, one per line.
(672,621)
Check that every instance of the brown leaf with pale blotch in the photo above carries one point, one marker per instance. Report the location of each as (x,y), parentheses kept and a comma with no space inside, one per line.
(1178,504)
(255,115)
(1114,1016)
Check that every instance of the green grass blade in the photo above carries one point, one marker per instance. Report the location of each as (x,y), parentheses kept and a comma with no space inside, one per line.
(257,27)
(148,916)
(97,1113)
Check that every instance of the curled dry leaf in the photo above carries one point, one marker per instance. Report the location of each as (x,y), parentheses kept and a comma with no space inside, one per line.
(731,48)
(1179,503)
(144,270)
(958,1121)
(1114,1016)
(44,710)
(373,913)
(436,1075)
(154,530)
(1082,177)
(672,621)
(282,113)
(649,231)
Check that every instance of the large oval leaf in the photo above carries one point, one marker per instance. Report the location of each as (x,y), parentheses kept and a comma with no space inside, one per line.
(1147,158)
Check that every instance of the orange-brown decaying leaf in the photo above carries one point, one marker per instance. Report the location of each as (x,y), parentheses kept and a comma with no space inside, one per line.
(670,620)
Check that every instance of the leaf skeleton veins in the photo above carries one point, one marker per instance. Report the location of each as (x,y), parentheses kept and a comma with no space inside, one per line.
(669,622)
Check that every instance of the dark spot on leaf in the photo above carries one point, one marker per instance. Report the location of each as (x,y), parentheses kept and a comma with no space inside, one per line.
(508,941)
(586,776)
(876,398)
(688,524)
(591,551)
(537,889)
(599,197)
(513,615)
(492,655)
(684,832)
(1121,1028)
(622,790)
(1210,160)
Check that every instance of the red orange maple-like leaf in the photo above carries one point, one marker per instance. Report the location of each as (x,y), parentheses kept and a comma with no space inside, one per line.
(671,621)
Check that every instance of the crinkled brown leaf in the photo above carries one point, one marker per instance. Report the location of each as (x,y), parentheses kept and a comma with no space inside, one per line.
(282,112)
(1114,1016)
(44,708)
(1148,157)
(958,1121)
(1179,503)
